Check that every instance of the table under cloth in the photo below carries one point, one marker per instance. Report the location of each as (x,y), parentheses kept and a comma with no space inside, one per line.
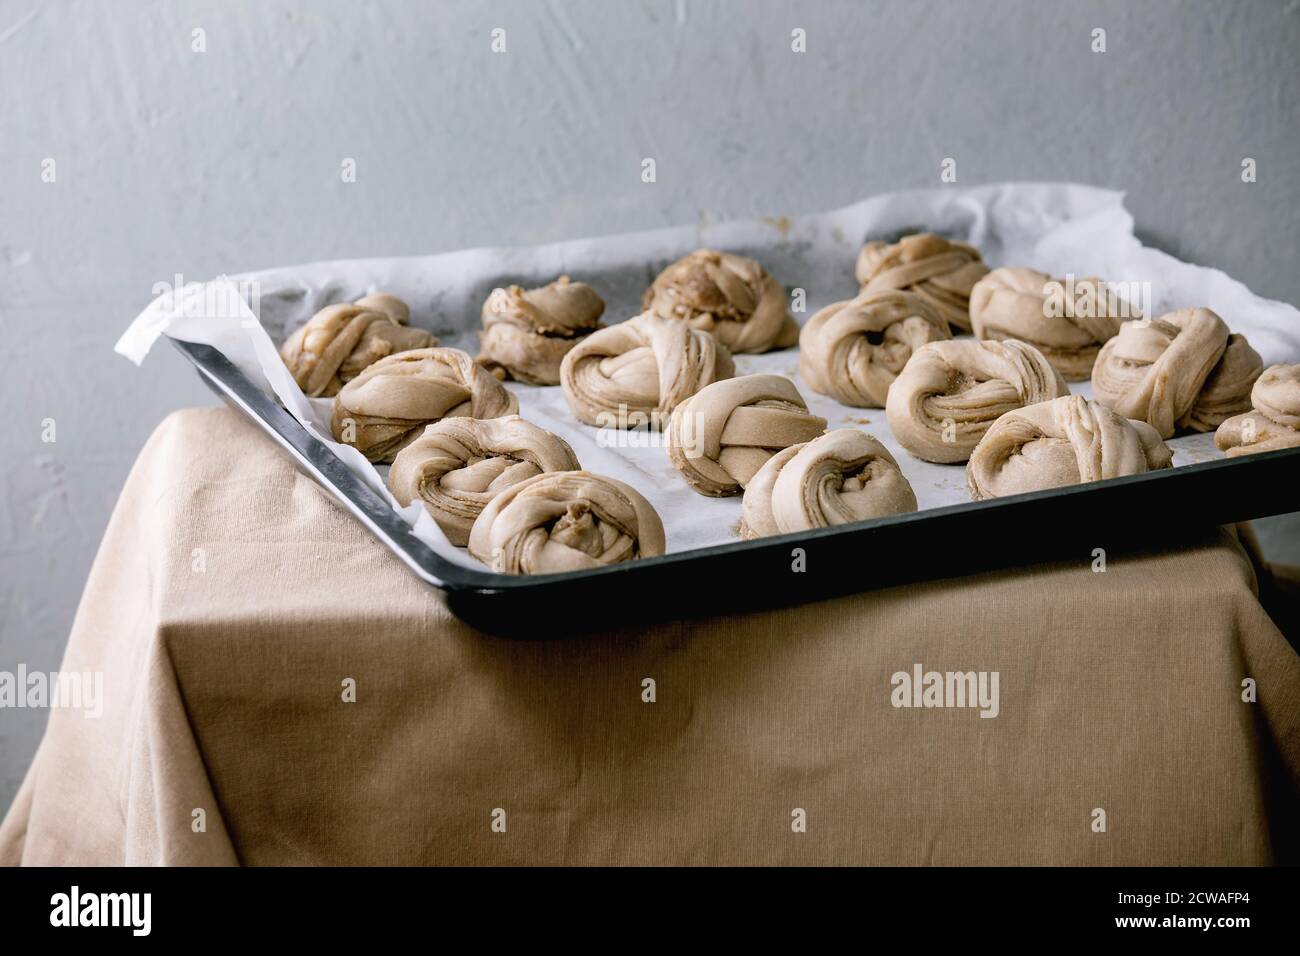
(232,602)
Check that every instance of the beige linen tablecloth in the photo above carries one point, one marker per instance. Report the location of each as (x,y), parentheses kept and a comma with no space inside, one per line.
(232,599)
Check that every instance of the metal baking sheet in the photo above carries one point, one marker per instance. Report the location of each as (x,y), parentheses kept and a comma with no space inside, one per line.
(1044,226)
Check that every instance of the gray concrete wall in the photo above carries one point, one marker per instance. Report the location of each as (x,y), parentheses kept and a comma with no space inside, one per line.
(170,161)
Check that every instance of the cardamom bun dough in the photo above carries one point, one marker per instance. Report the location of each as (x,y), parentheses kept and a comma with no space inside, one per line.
(841,477)
(1227,391)
(853,350)
(1182,370)
(565,521)
(385,408)
(731,296)
(458,465)
(941,272)
(1067,441)
(727,431)
(636,372)
(526,334)
(950,393)
(339,341)
(1068,320)
(1273,423)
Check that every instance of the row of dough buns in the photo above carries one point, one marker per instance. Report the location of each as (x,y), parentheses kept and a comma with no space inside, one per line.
(528,332)
(998,402)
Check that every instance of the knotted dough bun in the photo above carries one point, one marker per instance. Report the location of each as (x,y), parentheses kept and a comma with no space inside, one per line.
(340,340)
(1181,370)
(731,296)
(727,431)
(841,477)
(458,465)
(565,521)
(1067,441)
(385,407)
(1068,320)
(638,371)
(853,350)
(951,392)
(941,272)
(526,334)
(1273,423)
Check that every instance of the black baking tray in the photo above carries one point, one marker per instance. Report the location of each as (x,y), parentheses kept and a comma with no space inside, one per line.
(1138,512)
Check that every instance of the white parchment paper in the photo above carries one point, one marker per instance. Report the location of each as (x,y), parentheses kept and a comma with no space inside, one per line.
(1057,228)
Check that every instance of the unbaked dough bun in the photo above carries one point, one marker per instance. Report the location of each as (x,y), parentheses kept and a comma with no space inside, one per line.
(939,271)
(1182,370)
(853,350)
(340,340)
(950,392)
(844,476)
(727,431)
(1068,320)
(387,406)
(527,333)
(635,373)
(1067,441)
(458,465)
(1273,423)
(565,521)
(731,296)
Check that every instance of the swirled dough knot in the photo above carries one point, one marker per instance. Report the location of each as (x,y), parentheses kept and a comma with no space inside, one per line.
(845,475)
(853,350)
(1180,370)
(385,407)
(941,272)
(722,435)
(635,373)
(1068,320)
(565,521)
(458,465)
(1067,441)
(340,340)
(526,334)
(951,392)
(1273,423)
(731,296)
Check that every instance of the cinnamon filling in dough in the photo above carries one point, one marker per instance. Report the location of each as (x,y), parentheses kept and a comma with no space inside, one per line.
(526,334)
(731,296)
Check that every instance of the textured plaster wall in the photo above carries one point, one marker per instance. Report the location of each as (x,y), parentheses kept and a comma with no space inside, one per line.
(169,161)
